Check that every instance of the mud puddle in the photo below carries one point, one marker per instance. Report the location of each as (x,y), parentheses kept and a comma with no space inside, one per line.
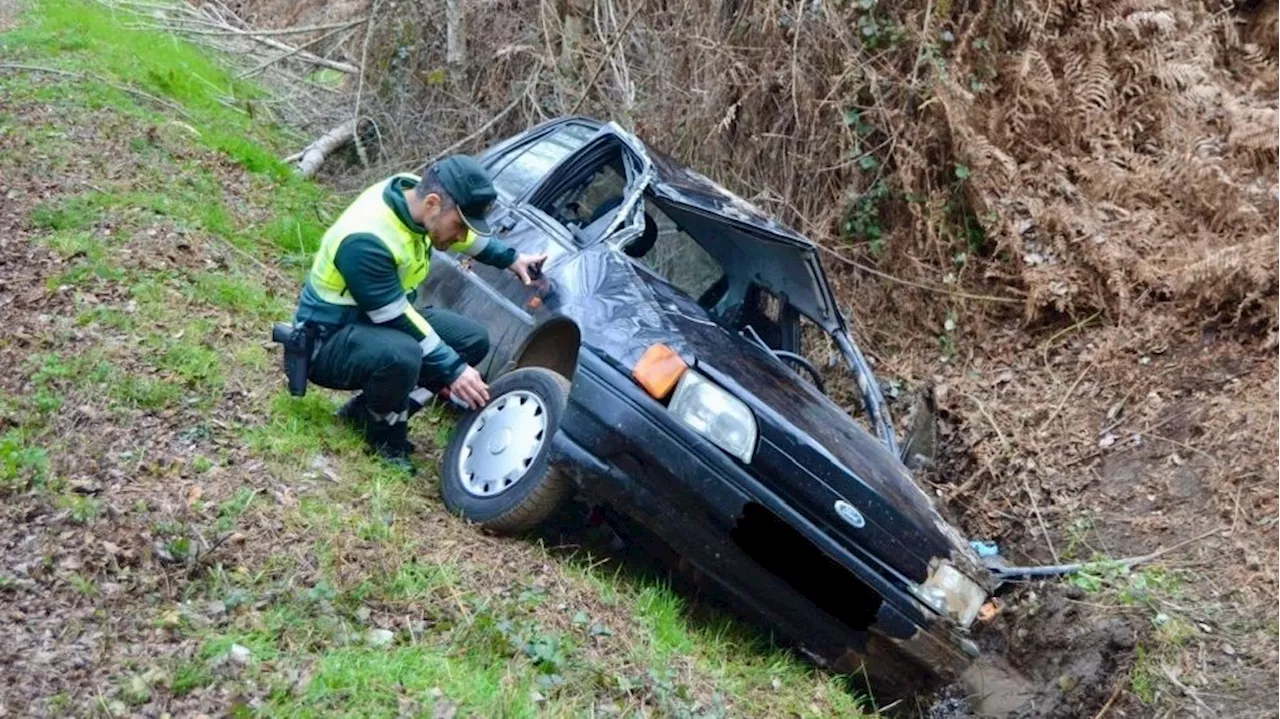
(1046,655)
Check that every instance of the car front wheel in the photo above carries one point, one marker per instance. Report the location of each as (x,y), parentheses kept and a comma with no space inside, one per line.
(495,470)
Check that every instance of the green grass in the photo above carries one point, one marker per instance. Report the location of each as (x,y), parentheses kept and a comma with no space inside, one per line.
(231,510)
(64,218)
(85,36)
(237,294)
(190,676)
(145,392)
(81,508)
(489,634)
(368,682)
(21,462)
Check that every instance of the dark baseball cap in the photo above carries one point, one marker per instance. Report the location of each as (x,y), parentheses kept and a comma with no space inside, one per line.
(470,189)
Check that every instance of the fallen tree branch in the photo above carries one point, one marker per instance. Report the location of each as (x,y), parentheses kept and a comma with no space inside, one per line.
(217,25)
(303,54)
(271,61)
(1044,528)
(918,285)
(231,31)
(311,157)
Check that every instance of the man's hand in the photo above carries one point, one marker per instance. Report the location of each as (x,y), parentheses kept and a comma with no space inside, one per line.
(521,267)
(470,388)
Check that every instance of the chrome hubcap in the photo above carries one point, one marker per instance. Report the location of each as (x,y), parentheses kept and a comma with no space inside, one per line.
(502,443)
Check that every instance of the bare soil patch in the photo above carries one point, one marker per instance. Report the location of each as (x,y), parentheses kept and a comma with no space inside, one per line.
(1114,441)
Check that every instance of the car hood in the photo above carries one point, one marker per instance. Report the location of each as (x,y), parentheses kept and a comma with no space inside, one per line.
(625,309)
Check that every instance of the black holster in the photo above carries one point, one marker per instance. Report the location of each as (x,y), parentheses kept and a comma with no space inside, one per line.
(298,342)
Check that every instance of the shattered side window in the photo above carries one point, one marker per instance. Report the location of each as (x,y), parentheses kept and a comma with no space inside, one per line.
(535,161)
(679,259)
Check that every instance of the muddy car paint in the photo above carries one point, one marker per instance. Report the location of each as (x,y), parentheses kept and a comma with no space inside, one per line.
(843,490)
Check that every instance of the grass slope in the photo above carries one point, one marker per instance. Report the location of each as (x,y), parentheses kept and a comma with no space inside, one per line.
(178,534)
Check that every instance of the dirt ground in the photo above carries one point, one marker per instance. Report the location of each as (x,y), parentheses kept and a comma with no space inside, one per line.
(1075,442)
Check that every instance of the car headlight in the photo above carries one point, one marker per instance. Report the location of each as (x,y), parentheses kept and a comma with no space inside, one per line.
(715,414)
(951,594)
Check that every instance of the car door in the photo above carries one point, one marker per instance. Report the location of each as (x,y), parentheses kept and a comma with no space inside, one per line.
(523,219)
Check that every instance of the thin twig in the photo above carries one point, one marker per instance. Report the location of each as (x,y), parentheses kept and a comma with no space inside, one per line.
(261,265)
(1035,507)
(364,55)
(1062,402)
(1184,445)
(481,130)
(970,482)
(1066,330)
(990,420)
(1188,691)
(82,76)
(918,285)
(1044,352)
(1105,707)
(586,89)
(795,52)
(915,66)
(231,32)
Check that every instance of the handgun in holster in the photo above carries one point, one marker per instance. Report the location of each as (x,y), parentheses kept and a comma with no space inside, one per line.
(298,342)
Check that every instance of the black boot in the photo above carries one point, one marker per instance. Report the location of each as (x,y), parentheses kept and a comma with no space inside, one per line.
(391,442)
(354,412)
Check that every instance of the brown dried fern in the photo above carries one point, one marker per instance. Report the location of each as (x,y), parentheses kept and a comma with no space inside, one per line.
(1254,128)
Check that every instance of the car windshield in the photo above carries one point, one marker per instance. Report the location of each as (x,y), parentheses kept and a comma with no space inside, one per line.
(529,165)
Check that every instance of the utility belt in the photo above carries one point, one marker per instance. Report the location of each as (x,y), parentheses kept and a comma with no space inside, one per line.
(301,341)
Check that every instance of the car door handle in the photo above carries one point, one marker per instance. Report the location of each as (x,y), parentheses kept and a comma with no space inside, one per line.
(504,225)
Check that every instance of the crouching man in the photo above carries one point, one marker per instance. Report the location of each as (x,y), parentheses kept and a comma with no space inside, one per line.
(357,301)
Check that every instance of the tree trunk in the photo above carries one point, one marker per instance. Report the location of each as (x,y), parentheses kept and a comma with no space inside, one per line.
(573,19)
(310,159)
(455,41)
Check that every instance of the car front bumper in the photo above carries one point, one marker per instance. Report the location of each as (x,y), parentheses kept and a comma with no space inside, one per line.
(622,447)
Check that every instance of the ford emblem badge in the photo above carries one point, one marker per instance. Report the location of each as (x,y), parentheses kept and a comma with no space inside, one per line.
(850,514)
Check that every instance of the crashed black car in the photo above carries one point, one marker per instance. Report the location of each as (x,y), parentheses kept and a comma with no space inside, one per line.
(655,369)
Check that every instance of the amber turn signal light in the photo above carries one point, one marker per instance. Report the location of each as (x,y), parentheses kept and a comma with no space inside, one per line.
(658,370)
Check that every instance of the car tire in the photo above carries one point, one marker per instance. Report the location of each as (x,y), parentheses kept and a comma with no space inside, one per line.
(489,445)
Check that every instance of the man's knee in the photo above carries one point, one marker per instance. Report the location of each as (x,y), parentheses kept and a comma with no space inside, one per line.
(398,362)
(474,347)
(400,357)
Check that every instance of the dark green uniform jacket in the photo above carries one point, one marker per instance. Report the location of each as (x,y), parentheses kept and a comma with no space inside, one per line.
(371,263)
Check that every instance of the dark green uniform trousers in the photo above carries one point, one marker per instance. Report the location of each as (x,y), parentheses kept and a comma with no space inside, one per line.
(387,364)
